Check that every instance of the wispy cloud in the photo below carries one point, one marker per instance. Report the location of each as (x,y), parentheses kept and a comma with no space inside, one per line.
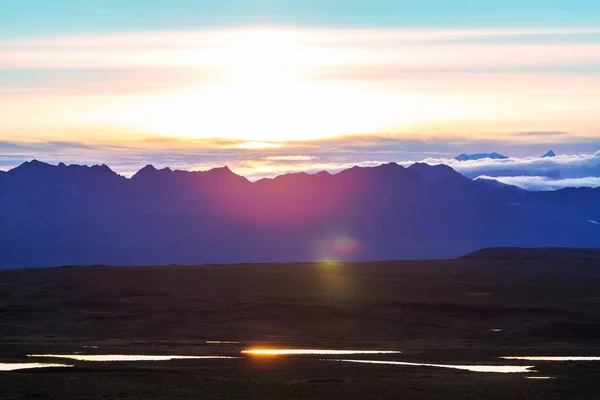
(404,49)
(333,155)
(541,134)
(533,173)
(539,183)
(290,158)
(267,85)
(267,101)
(559,167)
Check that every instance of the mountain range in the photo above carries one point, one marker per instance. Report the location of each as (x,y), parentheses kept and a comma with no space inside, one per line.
(79,215)
(480,156)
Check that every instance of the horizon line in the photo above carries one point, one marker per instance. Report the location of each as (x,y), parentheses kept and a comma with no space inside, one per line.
(225,167)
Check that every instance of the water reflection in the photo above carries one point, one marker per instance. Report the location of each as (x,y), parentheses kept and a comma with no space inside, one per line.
(502,369)
(123,357)
(221,342)
(552,358)
(296,352)
(18,366)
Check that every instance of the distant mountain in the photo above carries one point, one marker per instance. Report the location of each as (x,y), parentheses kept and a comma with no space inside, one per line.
(434,173)
(496,184)
(549,154)
(79,215)
(479,156)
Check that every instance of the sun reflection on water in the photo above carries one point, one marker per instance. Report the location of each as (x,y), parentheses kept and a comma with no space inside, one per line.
(124,357)
(503,369)
(19,366)
(554,358)
(295,352)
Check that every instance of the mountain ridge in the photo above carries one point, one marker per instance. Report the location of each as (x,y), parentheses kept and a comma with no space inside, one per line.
(480,156)
(70,215)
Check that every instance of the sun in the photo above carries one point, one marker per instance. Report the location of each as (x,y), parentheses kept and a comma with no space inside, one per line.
(268,90)
(265,58)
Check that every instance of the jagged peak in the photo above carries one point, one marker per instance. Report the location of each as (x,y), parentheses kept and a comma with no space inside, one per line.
(32,165)
(389,166)
(295,176)
(225,170)
(103,168)
(152,169)
(148,167)
(384,166)
(418,165)
(45,170)
(36,162)
(389,170)
(549,154)
(436,172)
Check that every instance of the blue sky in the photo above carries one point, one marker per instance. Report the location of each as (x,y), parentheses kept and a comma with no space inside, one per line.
(33,17)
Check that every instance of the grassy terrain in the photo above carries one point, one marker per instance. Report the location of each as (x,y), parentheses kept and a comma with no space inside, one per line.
(433,311)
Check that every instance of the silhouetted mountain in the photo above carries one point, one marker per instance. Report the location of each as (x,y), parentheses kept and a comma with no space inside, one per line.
(57,215)
(39,173)
(479,156)
(549,154)
(433,173)
(493,183)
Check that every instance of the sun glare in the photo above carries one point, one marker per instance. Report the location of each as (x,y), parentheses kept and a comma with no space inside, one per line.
(296,352)
(258,145)
(264,58)
(267,91)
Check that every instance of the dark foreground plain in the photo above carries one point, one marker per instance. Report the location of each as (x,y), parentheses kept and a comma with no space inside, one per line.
(465,311)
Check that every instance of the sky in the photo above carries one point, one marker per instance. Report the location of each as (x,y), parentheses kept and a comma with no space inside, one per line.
(270,87)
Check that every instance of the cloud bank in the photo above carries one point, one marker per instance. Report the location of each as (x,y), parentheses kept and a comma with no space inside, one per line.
(579,168)
(302,83)
(534,173)
(538,183)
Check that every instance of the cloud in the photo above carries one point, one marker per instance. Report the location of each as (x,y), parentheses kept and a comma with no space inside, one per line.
(355,53)
(255,170)
(538,183)
(290,158)
(311,82)
(533,173)
(541,134)
(560,167)
(333,155)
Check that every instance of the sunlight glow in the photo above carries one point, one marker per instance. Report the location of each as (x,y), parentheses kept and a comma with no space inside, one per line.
(295,352)
(553,358)
(124,357)
(19,366)
(258,145)
(541,378)
(268,90)
(502,369)
(271,86)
